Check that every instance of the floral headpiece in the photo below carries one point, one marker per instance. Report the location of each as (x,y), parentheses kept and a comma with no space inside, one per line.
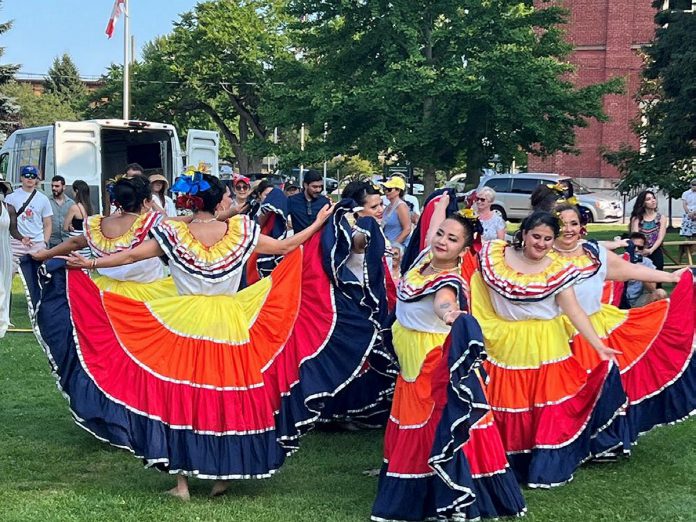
(188,185)
(561,191)
(111,189)
(470,215)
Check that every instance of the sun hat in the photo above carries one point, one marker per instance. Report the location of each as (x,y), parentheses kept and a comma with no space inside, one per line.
(158,177)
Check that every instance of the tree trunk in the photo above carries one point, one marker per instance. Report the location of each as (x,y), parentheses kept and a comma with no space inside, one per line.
(428,181)
(475,161)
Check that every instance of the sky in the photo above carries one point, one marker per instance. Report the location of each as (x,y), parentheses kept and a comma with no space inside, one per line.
(45,29)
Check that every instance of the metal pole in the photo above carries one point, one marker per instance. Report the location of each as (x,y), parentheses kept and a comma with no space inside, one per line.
(301,180)
(126,61)
(326,132)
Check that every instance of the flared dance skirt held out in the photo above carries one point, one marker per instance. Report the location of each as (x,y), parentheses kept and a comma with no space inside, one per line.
(217,387)
(551,413)
(443,456)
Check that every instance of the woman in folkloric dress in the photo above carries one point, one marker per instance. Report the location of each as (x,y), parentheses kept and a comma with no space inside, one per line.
(552,414)
(211,383)
(121,231)
(443,456)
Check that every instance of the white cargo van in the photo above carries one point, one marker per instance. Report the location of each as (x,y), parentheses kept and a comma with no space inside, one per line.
(97,150)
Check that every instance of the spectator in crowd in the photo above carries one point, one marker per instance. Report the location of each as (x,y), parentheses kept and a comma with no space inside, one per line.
(688,227)
(33,215)
(134,169)
(8,228)
(411,201)
(493,225)
(639,293)
(291,190)
(304,206)
(74,223)
(242,190)
(60,205)
(164,204)
(396,221)
(646,219)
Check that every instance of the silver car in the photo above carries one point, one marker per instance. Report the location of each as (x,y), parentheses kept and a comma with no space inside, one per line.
(513,193)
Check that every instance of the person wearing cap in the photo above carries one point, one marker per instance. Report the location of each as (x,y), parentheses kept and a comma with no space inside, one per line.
(34,214)
(396,221)
(291,190)
(8,228)
(688,227)
(242,187)
(164,204)
(304,206)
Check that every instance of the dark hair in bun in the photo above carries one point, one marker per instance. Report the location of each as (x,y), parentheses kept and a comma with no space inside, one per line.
(129,193)
(212,196)
(358,191)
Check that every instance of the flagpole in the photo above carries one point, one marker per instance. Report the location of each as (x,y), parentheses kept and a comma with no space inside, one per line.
(126,61)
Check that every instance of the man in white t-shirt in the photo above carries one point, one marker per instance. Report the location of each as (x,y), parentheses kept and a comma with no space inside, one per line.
(33,215)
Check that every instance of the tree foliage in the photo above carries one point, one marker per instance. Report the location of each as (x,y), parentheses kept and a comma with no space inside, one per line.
(434,81)
(35,110)
(64,83)
(9,110)
(208,72)
(667,124)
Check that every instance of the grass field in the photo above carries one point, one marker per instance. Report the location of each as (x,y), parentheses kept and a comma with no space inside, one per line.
(52,470)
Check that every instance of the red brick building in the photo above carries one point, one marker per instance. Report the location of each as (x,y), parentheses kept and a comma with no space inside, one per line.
(607,36)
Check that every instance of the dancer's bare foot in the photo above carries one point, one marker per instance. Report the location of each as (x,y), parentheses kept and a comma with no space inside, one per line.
(219,488)
(181,489)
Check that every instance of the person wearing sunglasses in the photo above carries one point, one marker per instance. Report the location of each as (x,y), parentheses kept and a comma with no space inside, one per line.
(493,225)
(242,189)
(396,221)
(34,214)
(640,293)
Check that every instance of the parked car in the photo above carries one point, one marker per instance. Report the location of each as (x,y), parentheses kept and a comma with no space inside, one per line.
(513,191)
(456,182)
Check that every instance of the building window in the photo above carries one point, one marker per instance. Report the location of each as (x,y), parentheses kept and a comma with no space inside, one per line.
(681,5)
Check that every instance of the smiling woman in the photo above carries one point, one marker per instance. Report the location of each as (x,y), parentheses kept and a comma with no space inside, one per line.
(518,294)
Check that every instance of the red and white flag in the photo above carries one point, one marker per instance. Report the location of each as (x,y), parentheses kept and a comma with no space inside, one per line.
(119,7)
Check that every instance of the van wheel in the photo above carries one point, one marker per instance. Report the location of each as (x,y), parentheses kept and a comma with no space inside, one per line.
(500,211)
(588,213)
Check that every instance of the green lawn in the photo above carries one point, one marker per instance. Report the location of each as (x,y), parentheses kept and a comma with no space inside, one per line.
(50,470)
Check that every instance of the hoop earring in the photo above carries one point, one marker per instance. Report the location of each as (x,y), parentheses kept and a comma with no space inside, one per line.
(583,231)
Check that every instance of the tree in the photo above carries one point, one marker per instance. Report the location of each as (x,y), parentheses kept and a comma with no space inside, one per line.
(63,81)
(36,110)
(434,81)
(8,106)
(212,68)
(667,123)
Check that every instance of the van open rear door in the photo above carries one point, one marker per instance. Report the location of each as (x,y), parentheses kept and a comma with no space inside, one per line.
(78,155)
(203,146)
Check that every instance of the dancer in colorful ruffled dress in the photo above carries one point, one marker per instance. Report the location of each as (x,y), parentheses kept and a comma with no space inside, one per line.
(121,231)
(657,367)
(272,217)
(207,383)
(443,456)
(353,249)
(551,413)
